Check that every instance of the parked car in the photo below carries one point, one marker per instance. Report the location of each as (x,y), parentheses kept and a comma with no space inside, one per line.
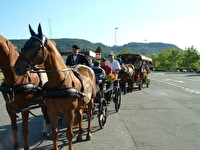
(197,71)
(174,70)
(183,70)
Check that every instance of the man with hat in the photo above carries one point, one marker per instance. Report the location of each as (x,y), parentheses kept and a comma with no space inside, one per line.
(76,58)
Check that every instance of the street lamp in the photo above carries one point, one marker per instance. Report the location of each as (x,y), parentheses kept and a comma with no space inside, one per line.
(115,37)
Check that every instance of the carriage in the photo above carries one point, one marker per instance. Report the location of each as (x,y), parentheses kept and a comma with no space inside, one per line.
(141,77)
(104,95)
(63,94)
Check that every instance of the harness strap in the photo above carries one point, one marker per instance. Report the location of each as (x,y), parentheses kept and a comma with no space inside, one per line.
(80,79)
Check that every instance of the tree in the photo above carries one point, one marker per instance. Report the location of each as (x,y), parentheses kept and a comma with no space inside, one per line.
(126,50)
(190,59)
(85,49)
(99,50)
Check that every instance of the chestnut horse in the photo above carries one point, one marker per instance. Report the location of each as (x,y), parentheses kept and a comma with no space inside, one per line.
(39,49)
(8,57)
(127,74)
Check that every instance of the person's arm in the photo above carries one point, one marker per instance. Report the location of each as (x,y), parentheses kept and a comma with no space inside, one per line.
(86,61)
(68,61)
(117,66)
(103,74)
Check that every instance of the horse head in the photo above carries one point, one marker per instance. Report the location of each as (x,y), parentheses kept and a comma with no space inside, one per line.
(33,52)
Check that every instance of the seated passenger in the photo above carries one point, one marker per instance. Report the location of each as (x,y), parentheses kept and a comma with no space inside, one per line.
(137,64)
(126,61)
(99,72)
(108,70)
(114,63)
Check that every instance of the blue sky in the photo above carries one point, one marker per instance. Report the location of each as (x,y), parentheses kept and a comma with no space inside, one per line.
(170,21)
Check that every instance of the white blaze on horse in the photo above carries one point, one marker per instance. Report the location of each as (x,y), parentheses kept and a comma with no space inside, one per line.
(64,94)
(18,91)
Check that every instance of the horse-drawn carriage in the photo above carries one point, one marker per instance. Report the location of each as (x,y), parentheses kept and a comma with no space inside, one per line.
(135,70)
(62,95)
(104,95)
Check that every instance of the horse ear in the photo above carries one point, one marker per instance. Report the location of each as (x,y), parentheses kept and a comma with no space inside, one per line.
(40,34)
(31,31)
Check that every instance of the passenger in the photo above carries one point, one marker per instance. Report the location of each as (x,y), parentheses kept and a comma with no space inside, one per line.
(126,61)
(137,64)
(108,70)
(114,63)
(99,72)
(146,67)
(119,60)
(106,67)
(76,58)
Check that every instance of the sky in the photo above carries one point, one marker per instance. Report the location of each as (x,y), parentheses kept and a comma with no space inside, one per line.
(169,21)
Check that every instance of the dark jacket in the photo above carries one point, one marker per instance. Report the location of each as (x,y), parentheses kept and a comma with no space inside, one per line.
(81,59)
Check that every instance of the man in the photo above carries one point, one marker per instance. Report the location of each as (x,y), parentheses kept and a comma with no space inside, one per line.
(113,63)
(108,70)
(105,66)
(76,58)
(99,72)
(137,64)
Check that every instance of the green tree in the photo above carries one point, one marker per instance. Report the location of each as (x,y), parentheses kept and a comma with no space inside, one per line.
(85,49)
(190,58)
(99,50)
(126,50)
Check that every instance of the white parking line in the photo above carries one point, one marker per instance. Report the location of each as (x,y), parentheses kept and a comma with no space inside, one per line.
(181,87)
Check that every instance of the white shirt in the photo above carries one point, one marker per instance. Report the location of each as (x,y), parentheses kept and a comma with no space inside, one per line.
(114,65)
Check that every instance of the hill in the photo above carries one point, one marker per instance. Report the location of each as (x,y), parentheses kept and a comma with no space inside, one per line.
(65,44)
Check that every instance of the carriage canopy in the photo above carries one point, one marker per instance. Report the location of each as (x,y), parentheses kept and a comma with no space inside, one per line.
(133,57)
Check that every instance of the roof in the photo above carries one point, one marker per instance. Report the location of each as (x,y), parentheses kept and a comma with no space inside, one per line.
(133,57)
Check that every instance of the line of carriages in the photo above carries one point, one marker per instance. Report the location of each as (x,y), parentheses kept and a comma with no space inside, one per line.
(135,71)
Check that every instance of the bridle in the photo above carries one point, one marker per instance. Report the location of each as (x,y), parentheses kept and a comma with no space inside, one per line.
(43,43)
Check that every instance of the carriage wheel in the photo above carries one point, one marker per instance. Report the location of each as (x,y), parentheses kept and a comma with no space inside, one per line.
(117,99)
(102,113)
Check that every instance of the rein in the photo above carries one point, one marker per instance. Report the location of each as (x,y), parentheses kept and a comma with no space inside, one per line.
(37,70)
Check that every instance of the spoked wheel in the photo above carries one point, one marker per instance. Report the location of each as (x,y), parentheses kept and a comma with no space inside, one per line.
(117,99)
(102,113)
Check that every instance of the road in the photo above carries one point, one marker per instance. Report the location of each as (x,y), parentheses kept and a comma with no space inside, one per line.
(165,116)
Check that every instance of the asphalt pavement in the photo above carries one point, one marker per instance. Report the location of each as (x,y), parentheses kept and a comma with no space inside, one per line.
(164,116)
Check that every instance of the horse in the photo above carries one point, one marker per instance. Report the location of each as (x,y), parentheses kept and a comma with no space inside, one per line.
(8,56)
(127,75)
(39,49)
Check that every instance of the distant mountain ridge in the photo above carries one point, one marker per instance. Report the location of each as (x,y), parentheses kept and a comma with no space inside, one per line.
(65,44)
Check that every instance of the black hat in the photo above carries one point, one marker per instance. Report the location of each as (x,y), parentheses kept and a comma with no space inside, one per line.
(75,46)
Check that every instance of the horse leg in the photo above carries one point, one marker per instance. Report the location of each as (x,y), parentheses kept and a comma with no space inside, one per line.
(46,121)
(53,120)
(90,106)
(69,133)
(80,121)
(25,116)
(14,130)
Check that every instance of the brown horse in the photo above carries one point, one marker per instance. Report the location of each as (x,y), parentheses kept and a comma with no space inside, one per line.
(9,55)
(127,74)
(39,49)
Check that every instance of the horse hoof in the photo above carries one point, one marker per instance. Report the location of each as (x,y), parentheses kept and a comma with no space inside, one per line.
(78,139)
(88,138)
(44,133)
